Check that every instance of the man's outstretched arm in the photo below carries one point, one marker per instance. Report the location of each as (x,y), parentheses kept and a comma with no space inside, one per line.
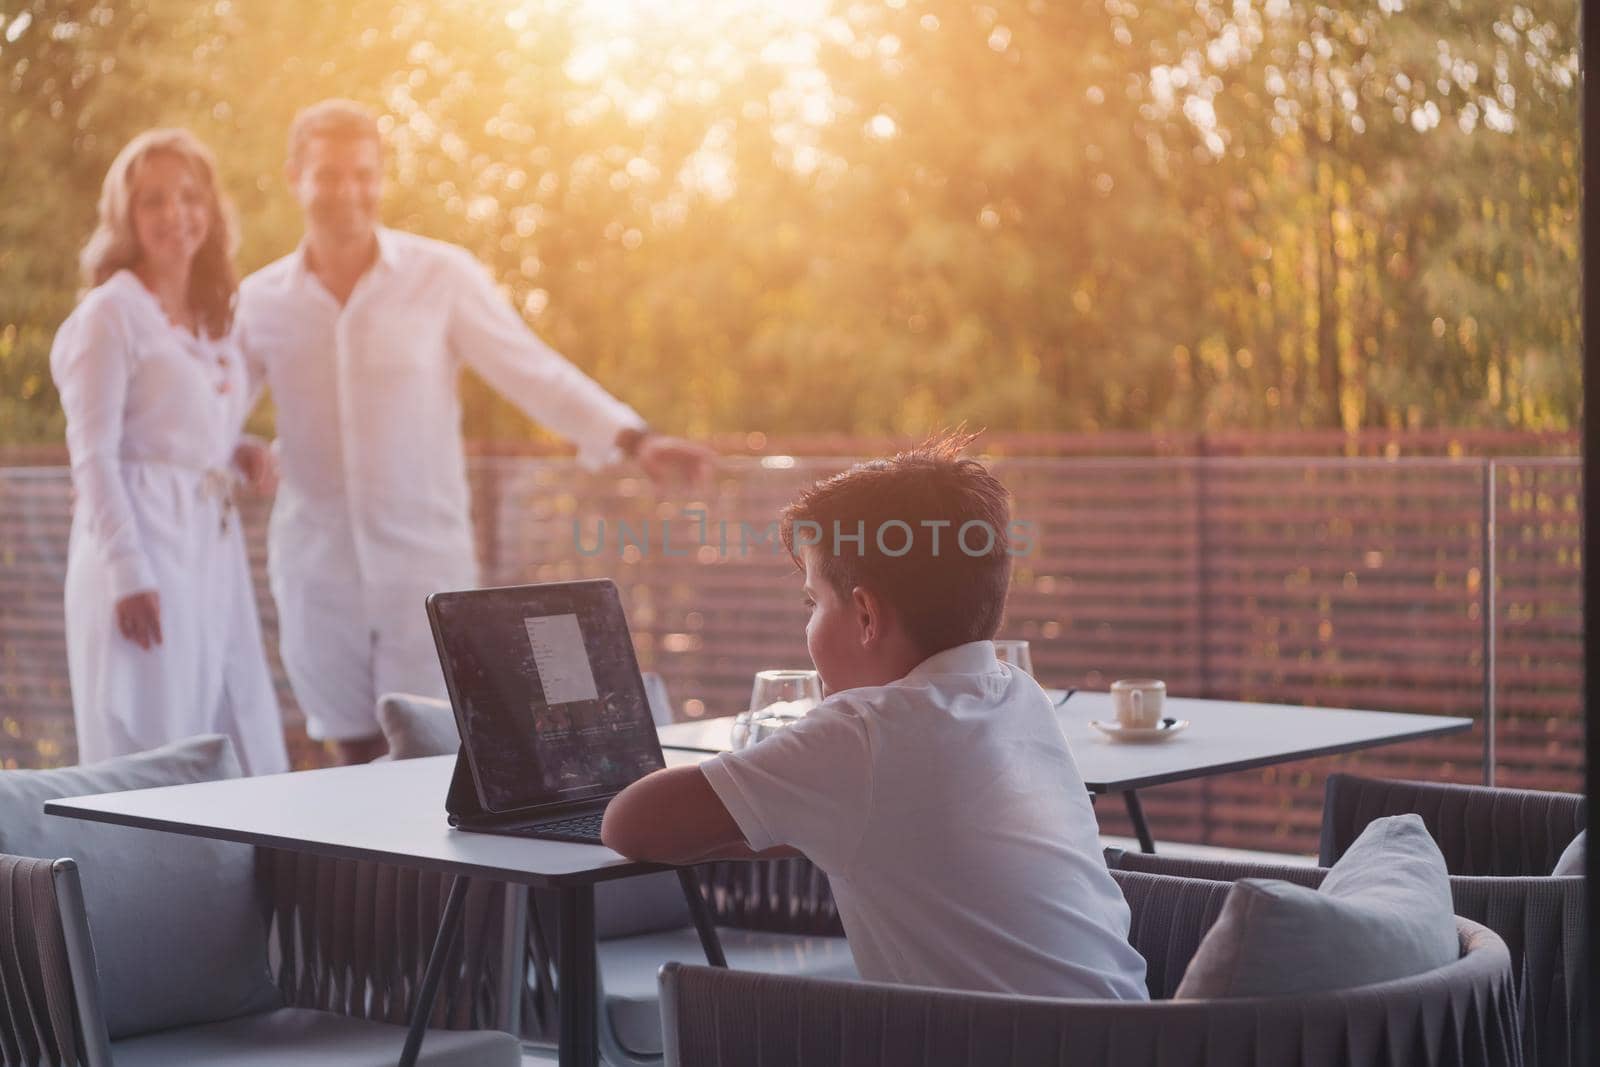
(674,816)
(490,337)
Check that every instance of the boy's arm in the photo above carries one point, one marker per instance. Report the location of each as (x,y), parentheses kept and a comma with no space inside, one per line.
(674,816)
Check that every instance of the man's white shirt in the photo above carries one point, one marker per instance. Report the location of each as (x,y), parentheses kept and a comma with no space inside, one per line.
(374,486)
(954,827)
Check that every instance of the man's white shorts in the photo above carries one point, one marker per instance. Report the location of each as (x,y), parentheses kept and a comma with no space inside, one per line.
(343,646)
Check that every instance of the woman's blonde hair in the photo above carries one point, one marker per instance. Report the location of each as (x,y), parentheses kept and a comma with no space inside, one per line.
(114,245)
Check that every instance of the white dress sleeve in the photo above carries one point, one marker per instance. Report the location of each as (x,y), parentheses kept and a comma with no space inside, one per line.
(492,339)
(91,362)
(808,786)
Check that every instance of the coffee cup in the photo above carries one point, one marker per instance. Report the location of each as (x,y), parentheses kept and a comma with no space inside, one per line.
(1138,702)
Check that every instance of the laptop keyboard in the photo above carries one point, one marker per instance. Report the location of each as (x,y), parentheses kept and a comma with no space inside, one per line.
(584,828)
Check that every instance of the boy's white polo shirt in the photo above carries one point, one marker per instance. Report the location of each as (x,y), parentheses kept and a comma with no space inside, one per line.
(954,827)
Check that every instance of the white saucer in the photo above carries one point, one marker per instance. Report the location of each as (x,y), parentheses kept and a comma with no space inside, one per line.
(1136,734)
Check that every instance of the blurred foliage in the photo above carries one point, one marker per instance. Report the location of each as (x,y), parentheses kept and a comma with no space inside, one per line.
(883,217)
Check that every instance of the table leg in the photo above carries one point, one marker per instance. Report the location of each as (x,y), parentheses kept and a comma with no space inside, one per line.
(449,927)
(709,941)
(576,967)
(1140,827)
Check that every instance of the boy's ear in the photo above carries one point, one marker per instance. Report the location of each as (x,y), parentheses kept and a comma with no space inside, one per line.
(869,613)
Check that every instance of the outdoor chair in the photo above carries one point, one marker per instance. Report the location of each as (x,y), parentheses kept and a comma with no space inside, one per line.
(772,916)
(1460,1015)
(354,937)
(1540,919)
(159,949)
(1482,830)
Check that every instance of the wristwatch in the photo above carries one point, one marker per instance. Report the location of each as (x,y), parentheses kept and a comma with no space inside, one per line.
(630,439)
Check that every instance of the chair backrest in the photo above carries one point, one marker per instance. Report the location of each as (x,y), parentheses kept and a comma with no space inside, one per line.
(1481,830)
(1216,870)
(1540,919)
(49,997)
(484,988)
(1212,869)
(1461,1015)
(354,937)
(350,937)
(781,896)
(1170,917)
(1543,923)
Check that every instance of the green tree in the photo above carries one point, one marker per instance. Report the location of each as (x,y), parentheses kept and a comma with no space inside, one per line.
(889,216)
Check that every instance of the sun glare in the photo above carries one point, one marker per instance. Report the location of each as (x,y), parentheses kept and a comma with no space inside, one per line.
(716,39)
(641,58)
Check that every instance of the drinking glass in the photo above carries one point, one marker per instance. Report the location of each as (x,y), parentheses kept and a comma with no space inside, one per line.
(777,699)
(1015,653)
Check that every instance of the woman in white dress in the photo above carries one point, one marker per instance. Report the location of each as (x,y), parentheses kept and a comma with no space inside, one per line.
(163,639)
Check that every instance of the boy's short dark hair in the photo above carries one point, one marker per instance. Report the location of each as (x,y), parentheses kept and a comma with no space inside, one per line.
(933,539)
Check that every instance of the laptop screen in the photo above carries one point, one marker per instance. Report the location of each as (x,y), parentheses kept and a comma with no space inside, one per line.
(546,691)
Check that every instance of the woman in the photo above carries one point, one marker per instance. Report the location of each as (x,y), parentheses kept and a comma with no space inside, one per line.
(162,636)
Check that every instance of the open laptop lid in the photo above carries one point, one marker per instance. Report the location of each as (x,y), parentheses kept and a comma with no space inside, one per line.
(546,692)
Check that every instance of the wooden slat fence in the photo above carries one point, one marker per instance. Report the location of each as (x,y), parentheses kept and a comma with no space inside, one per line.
(1334,582)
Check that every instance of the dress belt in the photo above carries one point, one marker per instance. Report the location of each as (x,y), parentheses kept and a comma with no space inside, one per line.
(216,483)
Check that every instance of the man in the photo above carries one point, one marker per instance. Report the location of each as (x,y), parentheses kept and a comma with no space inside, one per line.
(360,333)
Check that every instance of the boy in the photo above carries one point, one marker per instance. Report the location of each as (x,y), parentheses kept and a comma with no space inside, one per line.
(932,784)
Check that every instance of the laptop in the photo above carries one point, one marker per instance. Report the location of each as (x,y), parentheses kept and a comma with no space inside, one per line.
(550,705)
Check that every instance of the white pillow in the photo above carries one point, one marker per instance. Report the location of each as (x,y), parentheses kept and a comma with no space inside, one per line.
(417,726)
(1574,859)
(1383,912)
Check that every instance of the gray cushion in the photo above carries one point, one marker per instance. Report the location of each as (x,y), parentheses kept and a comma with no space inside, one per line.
(417,726)
(1383,912)
(299,1035)
(1574,858)
(179,930)
(628,968)
(643,905)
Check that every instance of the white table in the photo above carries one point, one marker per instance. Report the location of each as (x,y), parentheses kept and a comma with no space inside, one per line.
(1223,736)
(394,813)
